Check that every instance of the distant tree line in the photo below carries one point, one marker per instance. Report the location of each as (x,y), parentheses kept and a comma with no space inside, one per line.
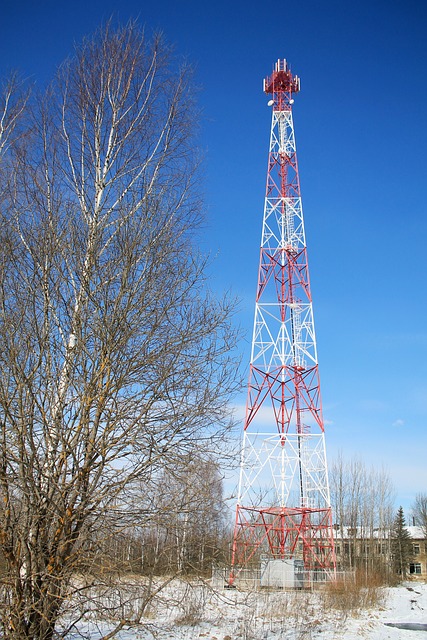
(187,533)
(370,535)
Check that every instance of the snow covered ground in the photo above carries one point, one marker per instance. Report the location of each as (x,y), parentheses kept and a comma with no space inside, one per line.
(190,612)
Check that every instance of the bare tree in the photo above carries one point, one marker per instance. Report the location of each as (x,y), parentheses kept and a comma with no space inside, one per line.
(363,507)
(115,361)
(419,512)
(187,531)
(14,95)
(192,516)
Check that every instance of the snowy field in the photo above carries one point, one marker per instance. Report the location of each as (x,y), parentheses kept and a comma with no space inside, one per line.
(187,612)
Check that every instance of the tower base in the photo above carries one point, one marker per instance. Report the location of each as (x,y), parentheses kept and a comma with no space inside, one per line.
(285,534)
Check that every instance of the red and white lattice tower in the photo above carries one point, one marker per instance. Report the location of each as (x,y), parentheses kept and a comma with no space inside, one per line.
(283,510)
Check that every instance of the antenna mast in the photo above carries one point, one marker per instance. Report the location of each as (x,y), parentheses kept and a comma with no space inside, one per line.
(283,510)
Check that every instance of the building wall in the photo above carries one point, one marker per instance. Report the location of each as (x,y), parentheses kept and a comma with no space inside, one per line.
(354,550)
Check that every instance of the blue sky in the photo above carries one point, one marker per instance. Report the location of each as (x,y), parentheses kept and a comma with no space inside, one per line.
(360,124)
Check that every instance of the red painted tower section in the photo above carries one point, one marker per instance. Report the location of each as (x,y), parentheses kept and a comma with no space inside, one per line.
(283,510)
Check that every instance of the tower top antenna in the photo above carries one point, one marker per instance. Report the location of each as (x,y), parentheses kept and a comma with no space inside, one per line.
(281,80)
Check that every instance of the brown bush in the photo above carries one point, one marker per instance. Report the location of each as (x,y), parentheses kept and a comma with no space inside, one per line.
(352,595)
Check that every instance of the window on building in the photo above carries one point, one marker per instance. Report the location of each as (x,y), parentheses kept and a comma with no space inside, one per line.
(415,567)
(416,549)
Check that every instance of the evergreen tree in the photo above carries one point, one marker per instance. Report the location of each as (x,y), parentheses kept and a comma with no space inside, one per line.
(401,545)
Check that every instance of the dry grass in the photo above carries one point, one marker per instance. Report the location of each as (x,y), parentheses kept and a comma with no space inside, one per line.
(280,612)
(353,596)
(192,605)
